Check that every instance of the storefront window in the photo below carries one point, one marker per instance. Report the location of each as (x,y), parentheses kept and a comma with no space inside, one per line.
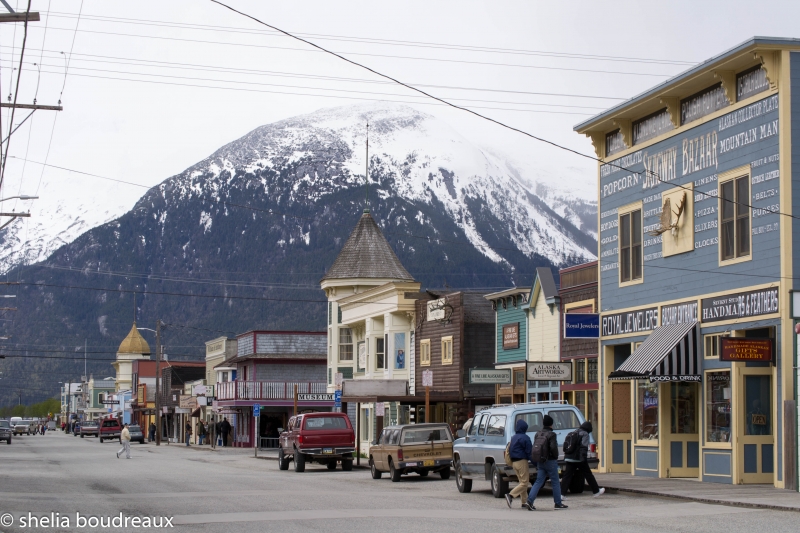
(591,371)
(580,401)
(684,408)
(718,406)
(580,371)
(758,412)
(592,409)
(647,410)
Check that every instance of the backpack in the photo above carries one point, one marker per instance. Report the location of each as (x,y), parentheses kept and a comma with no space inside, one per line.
(507,455)
(572,442)
(539,453)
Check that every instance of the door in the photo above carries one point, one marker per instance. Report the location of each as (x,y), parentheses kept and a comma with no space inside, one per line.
(494,441)
(379,451)
(756,446)
(466,451)
(618,457)
(683,438)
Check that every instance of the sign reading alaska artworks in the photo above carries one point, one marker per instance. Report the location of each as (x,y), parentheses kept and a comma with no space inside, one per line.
(548,371)
(636,321)
(740,305)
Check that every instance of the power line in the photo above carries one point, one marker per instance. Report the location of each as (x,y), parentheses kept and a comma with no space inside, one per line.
(438,60)
(391,42)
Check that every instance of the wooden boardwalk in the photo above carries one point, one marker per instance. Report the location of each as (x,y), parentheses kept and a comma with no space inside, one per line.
(753,496)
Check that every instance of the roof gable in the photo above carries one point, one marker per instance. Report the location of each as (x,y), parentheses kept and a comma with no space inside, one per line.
(546,284)
(367,254)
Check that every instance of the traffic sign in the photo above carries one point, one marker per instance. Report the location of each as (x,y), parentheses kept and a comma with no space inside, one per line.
(256,410)
(427,378)
(338,378)
(337,398)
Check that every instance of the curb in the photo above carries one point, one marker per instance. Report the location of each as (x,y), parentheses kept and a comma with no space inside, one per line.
(705,500)
(355,466)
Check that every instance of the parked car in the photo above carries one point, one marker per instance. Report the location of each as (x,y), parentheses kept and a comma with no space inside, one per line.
(136,433)
(110,429)
(479,453)
(5,431)
(417,448)
(324,438)
(90,428)
(24,427)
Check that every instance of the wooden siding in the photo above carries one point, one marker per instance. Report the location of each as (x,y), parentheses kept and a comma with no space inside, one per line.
(578,347)
(543,331)
(511,315)
(446,378)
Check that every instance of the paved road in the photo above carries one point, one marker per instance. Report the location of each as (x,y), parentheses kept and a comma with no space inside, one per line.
(232,492)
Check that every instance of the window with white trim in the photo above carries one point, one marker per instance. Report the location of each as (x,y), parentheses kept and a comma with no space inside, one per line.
(345,344)
(734,214)
(630,246)
(425,352)
(447,350)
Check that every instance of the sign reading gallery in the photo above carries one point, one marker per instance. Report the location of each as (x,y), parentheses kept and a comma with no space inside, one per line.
(740,305)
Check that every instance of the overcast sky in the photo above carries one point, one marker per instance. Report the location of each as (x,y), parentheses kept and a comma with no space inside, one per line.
(152,87)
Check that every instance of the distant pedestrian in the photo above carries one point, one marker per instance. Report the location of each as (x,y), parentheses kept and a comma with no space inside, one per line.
(578,461)
(225,429)
(520,451)
(545,452)
(151,432)
(201,432)
(125,439)
(188,432)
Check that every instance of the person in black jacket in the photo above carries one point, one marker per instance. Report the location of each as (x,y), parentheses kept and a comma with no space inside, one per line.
(225,429)
(520,451)
(578,461)
(547,466)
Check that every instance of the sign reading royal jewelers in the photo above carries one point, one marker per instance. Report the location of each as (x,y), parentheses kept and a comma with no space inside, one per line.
(680,313)
(740,305)
(737,349)
(581,326)
(511,336)
(548,371)
(499,376)
(635,321)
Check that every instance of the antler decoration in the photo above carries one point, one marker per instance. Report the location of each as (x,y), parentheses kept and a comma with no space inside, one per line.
(666,224)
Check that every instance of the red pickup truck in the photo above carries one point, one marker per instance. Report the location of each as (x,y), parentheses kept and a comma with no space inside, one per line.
(110,429)
(325,438)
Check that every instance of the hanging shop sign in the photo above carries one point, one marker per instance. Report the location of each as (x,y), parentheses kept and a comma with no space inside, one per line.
(326,397)
(581,326)
(739,305)
(680,313)
(548,371)
(489,376)
(751,350)
(511,336)
(637,321)
(188,402)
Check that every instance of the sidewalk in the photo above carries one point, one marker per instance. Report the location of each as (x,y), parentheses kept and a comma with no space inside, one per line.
(753,496)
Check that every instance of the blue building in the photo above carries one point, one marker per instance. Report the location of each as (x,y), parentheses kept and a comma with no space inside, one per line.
(698,270)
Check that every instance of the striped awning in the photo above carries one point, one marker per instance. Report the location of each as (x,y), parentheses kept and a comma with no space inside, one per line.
(670,353)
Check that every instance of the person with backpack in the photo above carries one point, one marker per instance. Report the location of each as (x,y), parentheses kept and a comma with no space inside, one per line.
(545,455)
(519,450)
(576,455)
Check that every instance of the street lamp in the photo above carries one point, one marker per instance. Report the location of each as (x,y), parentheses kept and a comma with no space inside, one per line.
(157,331)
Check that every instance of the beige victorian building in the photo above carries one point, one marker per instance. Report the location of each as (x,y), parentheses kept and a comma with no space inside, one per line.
(371,299)
(133,347)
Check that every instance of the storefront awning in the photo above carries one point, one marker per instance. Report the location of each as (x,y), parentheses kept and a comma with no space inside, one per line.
(196,413)
(670,353)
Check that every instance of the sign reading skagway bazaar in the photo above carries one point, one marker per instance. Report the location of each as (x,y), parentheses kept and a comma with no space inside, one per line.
(635,321)
(740,305)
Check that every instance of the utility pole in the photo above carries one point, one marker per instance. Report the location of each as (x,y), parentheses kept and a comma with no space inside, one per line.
(12,16)
(158,380)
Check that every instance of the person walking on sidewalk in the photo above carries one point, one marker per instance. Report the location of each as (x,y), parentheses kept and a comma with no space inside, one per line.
(151,437)
(188,432)
(201,432)
(125,439)
(578,461)
(225,429)
(519,450)
(545,453)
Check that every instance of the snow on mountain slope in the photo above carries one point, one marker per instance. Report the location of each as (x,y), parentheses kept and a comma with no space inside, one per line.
(425,159)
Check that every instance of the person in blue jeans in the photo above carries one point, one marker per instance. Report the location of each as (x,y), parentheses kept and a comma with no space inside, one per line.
(547,466)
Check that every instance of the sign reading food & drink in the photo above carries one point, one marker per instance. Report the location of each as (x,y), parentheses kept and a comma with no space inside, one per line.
(511,336)
(754,350)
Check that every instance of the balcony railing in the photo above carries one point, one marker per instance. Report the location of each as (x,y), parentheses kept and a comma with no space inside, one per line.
(267,390)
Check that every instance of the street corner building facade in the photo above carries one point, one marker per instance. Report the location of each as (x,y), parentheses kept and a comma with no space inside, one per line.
(698,271)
